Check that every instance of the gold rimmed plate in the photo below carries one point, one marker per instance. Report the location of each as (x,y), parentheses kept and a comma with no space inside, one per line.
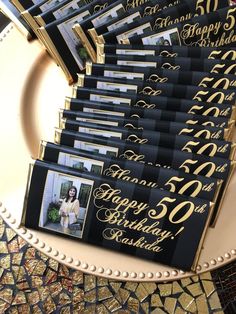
(33,88)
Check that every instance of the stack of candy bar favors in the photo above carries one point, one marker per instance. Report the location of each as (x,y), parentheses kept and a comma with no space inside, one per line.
(144,151)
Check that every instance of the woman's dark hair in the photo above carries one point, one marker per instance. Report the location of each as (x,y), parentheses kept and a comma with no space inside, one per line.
(68,196)
(166,42)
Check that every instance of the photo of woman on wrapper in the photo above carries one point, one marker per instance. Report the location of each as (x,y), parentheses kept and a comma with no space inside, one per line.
(65,203)
(69,210)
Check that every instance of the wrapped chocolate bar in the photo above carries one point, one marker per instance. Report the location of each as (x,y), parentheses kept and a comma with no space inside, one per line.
(181,12)
(113,10)
(214,148)
(215,167)
(178,63)
(168,51)
(137,123)
(151,88)
(146,101)
(210,80)
(147,10)
(60,10)
(37,9)
(224,118)
(23,5)
(153,177)
(109,212)
(66,48)
(214,29)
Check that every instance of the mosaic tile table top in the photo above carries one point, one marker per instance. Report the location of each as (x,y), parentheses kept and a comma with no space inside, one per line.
(30,282)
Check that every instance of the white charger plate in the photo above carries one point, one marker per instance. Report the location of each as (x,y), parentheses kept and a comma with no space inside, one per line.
(32,89)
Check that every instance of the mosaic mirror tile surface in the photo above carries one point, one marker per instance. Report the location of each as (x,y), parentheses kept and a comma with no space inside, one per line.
(30,282)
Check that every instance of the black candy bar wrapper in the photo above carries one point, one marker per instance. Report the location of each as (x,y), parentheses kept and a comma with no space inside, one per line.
(214,29)
(59,10)
(23,5)
(220,119)
(215,167)
(32,14)
(169,51)
(66,48)
(179,63)
(150,88)
(148,9)
(150,176)
(120,215)
(210,80)
(181,12)
(113,11)
(178,128)
(144,101)
(214,148)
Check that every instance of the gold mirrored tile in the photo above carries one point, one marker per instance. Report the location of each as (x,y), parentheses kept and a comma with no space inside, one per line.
(181,311)
(67,284)
(18,272)
(55,288)
(176,288)
(6,295)
(10,233)
(13,310)
(165,289)
(145,307)
(49,306)
(78,308)
(185,282)
(77,278)
(169,305)
(90,309)
(21,242)
(13,246)
(24,308)
(122,295)
(30,265)
(63,271)
(3,247)
(187,302)
(44,292)
(19,298)
(214,301)
(158,311)
(90,296)
(150,287)
(202,305)
(5,262)
(141,292)
(101,309)
(36,281)
(131,286)
(195,278)
(7,279)
(36,310)
(39,268)
(104,293)
(30,253)
(1,272)
(209,287)
(112,305)
(23,285)
(102,281)
(64,299)
(3,306)
(89,282)
(78,295)
(33,297)
(156,301)
(44,257)
(205,276)
(16,258)
(195,289)
(53,264)
(50,276)
(2,230)
(65,310)
(115,286)
(133,305)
